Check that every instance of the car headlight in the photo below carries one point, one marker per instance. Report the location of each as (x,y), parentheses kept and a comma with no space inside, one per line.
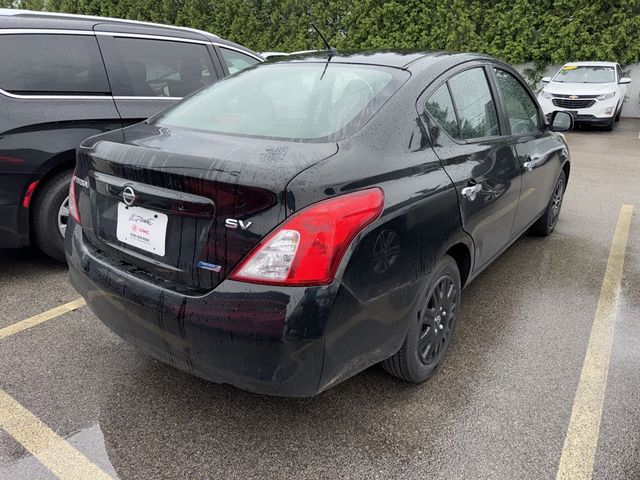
(606,96)
(546,95)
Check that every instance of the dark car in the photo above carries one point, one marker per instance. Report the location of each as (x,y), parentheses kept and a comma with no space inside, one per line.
(64,78)
(295,223)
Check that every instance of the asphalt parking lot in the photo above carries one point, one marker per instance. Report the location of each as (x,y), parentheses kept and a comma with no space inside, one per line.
(78,401)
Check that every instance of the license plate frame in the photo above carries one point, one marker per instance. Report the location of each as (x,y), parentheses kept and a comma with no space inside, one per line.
(142,228)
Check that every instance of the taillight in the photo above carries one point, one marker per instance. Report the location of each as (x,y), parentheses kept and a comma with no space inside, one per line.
(307,248)
(73,201)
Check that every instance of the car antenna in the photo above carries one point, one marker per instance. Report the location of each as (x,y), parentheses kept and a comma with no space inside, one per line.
(331,50)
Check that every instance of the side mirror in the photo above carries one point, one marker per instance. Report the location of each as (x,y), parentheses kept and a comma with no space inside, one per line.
(624,81)
(561,121)
(545,79)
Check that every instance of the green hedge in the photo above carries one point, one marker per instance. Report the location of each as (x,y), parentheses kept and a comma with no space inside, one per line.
(517,31)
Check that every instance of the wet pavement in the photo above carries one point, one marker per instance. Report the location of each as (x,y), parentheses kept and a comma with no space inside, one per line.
(499,407)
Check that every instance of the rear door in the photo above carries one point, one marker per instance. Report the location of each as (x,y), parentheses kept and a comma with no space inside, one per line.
(150,72)
(467,135)
(539,152)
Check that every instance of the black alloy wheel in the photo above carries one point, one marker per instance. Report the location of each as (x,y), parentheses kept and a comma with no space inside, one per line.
(438,318)
(549,219)
(431,330)
(556,202)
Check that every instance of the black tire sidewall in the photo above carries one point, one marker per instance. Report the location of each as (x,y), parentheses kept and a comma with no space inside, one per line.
(612,123)
(551,228)
(45,215)
(417,370)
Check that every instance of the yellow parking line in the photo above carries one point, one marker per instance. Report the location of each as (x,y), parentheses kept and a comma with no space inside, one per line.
(579,451)
(62,459)
(40,318)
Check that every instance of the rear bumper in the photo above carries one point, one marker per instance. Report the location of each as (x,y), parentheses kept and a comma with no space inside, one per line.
(14,218)
(275,348)
(14,226)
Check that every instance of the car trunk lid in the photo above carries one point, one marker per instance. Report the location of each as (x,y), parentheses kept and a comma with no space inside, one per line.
(185,207)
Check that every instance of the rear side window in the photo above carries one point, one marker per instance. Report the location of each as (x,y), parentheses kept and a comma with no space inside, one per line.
(475,106)
(52,65)
(236,61)
(159,68)
(440,107)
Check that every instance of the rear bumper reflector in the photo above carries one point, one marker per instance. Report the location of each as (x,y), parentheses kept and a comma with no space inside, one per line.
(29,193)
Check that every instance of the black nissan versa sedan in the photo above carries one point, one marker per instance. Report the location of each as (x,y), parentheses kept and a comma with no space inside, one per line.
(297,222)
(66,77)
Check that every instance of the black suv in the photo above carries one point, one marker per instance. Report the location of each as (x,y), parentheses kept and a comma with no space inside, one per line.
(64,78)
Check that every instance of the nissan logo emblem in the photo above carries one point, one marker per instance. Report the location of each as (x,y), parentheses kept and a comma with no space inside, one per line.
(129,196)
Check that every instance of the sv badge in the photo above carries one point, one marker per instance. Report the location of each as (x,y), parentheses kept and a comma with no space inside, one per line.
(234,224)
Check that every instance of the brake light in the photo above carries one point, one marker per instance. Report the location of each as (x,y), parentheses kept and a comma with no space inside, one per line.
(73,201)
(307,248)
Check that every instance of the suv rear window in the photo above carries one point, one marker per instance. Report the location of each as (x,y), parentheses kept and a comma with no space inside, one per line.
(52,65)
(304,102)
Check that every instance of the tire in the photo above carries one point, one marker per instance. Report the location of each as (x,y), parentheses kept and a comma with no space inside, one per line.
(609,126)
(45,215)
(549,219)
(431,330)
(619,115)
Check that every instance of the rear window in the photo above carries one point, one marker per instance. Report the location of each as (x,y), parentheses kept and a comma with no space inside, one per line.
(302,102)
(52,65)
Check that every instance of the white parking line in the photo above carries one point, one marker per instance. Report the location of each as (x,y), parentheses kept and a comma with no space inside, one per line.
(579,451)
(59,456)
(40,318)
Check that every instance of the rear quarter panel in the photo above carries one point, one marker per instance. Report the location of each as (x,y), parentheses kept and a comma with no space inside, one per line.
(36,130)
(37,136)
(386,269)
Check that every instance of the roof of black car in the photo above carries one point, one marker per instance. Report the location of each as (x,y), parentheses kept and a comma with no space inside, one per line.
(390,58)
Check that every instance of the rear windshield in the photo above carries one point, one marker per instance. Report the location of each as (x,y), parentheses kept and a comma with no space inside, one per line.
(301,102)
(574,74)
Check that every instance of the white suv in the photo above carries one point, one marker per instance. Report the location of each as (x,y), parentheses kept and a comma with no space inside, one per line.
(593,92)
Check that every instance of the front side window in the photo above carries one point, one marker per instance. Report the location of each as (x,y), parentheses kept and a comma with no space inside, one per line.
(237,61)
(440,107)
(163,68)
(304,102)
(474,104)
(590,74)
(52,65)
(522,112)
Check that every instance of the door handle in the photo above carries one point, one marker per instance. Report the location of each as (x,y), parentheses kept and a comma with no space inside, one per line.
(532,162)
(471,191)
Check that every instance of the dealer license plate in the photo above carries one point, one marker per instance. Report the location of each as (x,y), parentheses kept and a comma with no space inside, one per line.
(142,228)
